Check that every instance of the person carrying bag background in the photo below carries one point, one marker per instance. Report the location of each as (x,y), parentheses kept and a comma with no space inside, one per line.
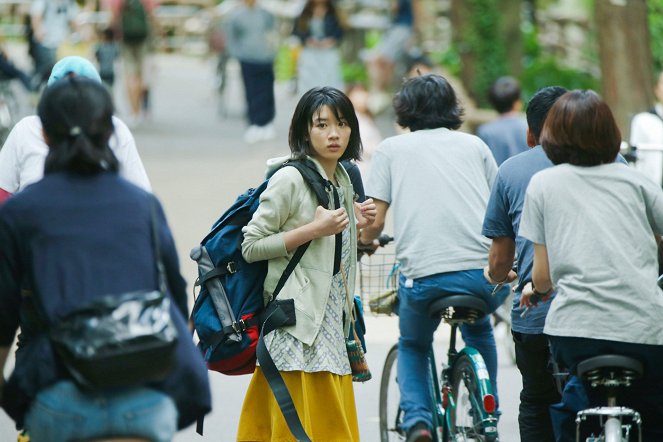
(81,234)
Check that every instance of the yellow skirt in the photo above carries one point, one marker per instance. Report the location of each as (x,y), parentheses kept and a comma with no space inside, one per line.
(324,401)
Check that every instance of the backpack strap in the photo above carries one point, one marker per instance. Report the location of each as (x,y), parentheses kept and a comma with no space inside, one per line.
(313,179)
(281,313)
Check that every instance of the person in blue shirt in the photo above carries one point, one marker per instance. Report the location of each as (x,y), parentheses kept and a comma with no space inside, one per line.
(501,225)
(506,135)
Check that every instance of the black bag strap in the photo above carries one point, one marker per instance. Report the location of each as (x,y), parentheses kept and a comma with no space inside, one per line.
(313,179)
(278,317)
(161,269)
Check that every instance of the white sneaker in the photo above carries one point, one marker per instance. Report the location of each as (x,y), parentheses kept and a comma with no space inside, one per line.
(267,132)
(253,134)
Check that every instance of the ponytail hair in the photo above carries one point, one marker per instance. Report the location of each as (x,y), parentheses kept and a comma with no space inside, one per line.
(77,118)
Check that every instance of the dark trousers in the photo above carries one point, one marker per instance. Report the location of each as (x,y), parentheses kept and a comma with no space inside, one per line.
(44,59)
(259,89)
(645,395)
(539,388)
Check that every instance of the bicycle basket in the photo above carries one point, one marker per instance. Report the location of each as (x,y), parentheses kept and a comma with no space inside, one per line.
(378,281)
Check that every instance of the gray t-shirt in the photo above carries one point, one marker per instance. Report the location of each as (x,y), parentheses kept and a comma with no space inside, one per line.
(250,34)
(598,225)
(437,184)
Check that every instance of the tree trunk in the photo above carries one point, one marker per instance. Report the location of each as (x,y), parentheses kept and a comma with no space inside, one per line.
(511,35)
(626,62)
(478,35)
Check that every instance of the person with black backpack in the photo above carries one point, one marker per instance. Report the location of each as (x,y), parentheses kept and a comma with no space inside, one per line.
(76,243)
(133,22)
(310,355)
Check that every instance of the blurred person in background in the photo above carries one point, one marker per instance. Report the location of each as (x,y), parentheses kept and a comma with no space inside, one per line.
(320,29)
(23,155)
(507,135)
(134,24)
(250,36)
(51,22)
(392,49)
(370,133)
(106,52)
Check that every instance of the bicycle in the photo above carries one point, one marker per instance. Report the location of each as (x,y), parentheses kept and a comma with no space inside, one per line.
(611,372)
(464,407)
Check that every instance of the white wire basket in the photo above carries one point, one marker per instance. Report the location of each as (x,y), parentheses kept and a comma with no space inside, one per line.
(378,282)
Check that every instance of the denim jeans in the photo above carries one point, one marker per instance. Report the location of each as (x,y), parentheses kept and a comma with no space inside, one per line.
(64,412)
(539,389)
(416,335)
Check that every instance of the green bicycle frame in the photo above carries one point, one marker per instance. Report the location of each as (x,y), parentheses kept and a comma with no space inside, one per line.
(441,414)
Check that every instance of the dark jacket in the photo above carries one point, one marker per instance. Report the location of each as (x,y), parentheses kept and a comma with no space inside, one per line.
(67,240)
(332,28)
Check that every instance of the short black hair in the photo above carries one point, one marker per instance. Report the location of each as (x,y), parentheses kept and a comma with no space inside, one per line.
(427,102)
(538,107)
(302,120)
(504,92)
(76,114)
(581,130)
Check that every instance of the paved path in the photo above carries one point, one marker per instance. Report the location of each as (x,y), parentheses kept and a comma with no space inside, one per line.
(198,164)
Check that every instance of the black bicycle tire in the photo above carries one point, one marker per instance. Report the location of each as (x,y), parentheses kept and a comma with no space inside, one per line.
(462,363)
(389,366)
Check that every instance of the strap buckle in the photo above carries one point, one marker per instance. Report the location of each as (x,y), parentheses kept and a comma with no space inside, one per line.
(232,267)
(239,326)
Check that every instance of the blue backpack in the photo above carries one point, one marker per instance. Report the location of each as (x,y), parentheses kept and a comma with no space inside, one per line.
(229,308)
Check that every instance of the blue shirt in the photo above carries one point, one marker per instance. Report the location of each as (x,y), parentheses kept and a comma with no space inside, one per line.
(503,219)
(506,137)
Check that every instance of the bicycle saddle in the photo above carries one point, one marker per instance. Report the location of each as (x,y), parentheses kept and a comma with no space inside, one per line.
(610,370)
(466,308)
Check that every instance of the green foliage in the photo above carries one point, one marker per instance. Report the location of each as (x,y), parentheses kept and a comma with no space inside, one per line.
(354,73)
(450,59)
(655,10)
(540,70)
(481,38)
(545,71)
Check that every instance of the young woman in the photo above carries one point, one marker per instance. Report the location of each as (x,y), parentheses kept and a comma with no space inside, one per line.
(310,355)
(79,234)
(319,28)
(592,222)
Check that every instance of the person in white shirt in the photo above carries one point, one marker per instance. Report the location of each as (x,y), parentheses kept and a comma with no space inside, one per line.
(23,155)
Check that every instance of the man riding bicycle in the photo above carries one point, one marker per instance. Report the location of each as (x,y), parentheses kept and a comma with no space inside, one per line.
(439,181)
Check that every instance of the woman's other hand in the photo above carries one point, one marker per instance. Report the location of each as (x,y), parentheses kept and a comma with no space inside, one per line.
(365,213)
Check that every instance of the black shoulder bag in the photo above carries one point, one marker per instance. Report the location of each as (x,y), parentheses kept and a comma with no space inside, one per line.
(120,340)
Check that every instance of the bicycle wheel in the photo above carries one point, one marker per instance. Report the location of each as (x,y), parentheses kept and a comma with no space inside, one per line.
(466,414)
(391,415)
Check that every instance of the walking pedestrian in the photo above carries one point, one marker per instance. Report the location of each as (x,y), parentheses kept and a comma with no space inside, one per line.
(250,32)
(438,180)
(592,222)
(106,52)
(506,135)
(50,22)
(78,235)
(319,28)
(311,355)
(23,155)
(393,47)
(133,21)
(647,132)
